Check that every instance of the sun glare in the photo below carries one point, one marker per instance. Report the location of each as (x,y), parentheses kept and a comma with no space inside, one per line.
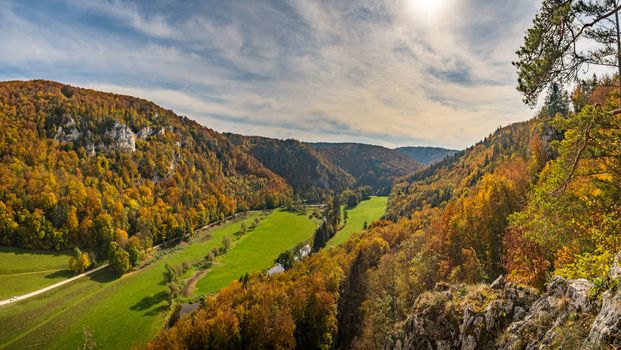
(428,8)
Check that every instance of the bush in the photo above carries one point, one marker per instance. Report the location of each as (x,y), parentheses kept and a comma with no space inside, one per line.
(79,262)
(186,266)
(119,259)
(588,266)
(226,243)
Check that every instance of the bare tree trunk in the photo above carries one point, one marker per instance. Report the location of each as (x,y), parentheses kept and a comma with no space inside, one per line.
(618,49)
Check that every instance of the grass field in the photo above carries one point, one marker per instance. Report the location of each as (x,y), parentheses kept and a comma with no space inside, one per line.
(22,271)
(257,251)
(369,210)
(125,311)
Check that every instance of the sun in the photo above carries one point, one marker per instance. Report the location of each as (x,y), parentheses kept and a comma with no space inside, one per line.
(428,8)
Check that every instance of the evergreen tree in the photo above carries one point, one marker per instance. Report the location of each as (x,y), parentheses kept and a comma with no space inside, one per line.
(557,101)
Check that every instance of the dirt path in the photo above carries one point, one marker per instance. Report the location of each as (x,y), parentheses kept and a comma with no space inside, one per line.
(43,290)
(189,287)
(191,284)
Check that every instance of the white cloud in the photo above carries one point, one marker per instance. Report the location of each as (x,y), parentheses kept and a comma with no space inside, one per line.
(370,70)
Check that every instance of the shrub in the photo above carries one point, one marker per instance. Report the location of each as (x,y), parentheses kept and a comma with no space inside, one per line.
(79,262)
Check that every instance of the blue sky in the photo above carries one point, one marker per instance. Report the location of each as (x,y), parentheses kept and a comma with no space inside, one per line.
(388,72)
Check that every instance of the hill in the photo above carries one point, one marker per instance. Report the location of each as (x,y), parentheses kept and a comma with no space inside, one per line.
(370,165)
(438,183)
(427,155)
(310,175)
(87,168)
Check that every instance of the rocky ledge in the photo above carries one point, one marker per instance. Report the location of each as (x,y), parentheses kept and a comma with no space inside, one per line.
(571,314)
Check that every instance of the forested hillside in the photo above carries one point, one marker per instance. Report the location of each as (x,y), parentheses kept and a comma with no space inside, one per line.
(80,167)
(533,199)
(370,165)
(427,155)
(311,176)
(438,183)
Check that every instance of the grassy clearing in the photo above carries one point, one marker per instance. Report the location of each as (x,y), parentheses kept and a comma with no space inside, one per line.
(122,312)
(369,210)
(254,252)
(23,271)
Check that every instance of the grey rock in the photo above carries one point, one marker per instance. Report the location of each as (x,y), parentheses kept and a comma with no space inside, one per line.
(514,316)
(578,293)
(615,271)
(606,329)
(498,284)
(124,138)
(145,132)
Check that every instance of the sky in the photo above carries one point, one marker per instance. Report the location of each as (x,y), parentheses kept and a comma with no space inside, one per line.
(387,72)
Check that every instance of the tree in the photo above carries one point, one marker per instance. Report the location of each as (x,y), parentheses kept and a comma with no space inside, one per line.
(119,259)
(104,229)
(557,101)
(244,227)
(552,46)
(173,282)
(286,259)
(226,243)
(79,262)
(243,279)
(365,225)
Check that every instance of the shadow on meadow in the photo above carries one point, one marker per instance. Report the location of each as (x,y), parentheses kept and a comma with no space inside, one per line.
(150,301)
(60,273)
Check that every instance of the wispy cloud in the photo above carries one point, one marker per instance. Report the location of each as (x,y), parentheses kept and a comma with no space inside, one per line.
(379,71)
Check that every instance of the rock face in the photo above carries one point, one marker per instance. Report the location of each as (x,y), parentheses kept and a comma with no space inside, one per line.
(606,328)
(539,328)
(119,136)
(570,314)
(68,133)
(463,318)
(123,137)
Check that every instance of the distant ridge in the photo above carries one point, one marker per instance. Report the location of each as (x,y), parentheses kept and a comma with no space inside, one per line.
(370,165)
(427,155)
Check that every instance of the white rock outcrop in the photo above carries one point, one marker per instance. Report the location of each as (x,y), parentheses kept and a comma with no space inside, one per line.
(123,137)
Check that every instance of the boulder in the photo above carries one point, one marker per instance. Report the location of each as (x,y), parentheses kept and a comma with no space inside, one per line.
(606,329)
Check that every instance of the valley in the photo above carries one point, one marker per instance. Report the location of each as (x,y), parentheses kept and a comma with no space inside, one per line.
(127,311)
(350,175)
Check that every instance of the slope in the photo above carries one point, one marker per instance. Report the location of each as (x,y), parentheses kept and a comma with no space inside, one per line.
(370,165)
(310,175)
(427,155)
(81,167)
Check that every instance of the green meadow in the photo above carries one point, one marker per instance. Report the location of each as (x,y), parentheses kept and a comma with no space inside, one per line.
(23,271)
(257,251)
(369,210)
(127,311)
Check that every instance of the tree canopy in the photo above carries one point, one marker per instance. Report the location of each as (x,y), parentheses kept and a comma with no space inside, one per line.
(566,37)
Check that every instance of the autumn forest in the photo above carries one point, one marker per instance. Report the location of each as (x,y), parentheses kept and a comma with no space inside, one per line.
(126,225)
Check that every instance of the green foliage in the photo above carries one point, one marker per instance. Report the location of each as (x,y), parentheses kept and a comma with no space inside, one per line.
(79,261)
(226,243)
(119,259)
(286,259)
(552,47)
(173,283)
(586,265)
(557,101)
